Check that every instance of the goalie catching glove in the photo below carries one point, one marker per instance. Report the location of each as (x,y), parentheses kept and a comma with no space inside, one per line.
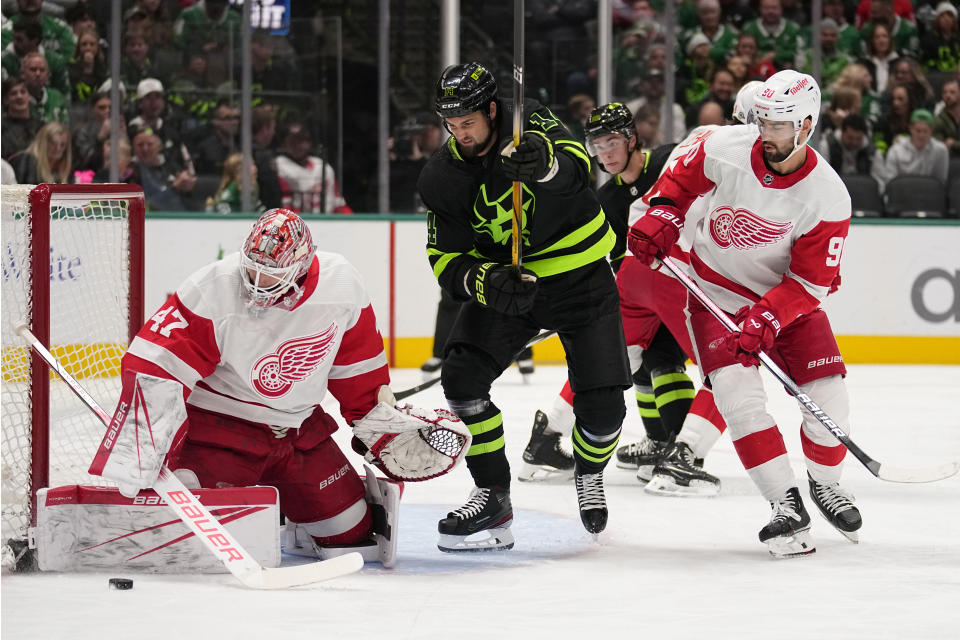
(408,443)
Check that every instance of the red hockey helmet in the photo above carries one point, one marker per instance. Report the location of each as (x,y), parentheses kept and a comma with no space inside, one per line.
(274,257)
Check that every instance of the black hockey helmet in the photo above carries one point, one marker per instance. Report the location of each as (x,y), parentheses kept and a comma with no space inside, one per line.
(609,118)
(463,89)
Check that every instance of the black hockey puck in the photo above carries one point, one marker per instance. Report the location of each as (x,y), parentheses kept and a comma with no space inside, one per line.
(121,584)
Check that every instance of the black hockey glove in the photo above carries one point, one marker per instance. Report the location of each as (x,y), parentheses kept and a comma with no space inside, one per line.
(499,287)
(531,161)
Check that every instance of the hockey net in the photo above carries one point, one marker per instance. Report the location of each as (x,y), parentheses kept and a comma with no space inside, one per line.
(87,242)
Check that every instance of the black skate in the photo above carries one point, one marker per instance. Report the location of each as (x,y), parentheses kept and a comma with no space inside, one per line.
(431,368)
(488,511)
(544,460)
(680,474)
(642,456)
(593,504)
(788,533)
(836,505)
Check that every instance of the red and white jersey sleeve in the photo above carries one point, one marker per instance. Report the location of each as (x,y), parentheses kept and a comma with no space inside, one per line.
(273,367)
(763,235)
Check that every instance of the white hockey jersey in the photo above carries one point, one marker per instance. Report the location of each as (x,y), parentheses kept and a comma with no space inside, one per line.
(764,235)
(274,367)
(310,187)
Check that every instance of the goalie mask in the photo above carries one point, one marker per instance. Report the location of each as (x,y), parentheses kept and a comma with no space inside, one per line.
(274,258)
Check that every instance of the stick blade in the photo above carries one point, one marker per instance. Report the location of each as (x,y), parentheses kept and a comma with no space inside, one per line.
(310,573)
(926,474)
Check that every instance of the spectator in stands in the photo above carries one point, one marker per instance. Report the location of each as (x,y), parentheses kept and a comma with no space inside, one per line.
(47,159)
(652,93)
(722,38)
(757,67)
(210,152)
(270,73)
(736,13)
(903,33)
(895,121)
(848,36)
(710,112)
(796,11)
(28,38)
(228,198)
(848,150)
(307,182)
(88,69)
(579,107)
(946,124)
(213,27)
(856,76)
(879,56)
(919,153)
(155,115)
(722,91)
(901,8)
(940,46)
(192,92)
(778,39)
(161,20)
(79,17)
(647,122)
(46,102)
(263,129)
(136,63)
(57,36)
(832,60)
(19,127)
(737,66)
(126,171)
(412,145)
(692,77)
(907,71)
(844,101)
(164,184)
(90,132)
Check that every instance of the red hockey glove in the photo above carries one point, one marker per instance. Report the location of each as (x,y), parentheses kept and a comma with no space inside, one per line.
(759,329)
(655,233)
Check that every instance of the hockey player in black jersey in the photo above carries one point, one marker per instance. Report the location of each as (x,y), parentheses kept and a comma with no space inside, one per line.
(564,284)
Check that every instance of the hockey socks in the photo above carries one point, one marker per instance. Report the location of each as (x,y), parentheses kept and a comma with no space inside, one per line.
(592,451)
(486,458)
(647,405)
(673,393)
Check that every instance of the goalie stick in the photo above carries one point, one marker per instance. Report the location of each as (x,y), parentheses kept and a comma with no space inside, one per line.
(406,393)
(198,518)
(882,471)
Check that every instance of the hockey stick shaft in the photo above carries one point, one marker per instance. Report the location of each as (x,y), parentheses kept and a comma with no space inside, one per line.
(881,471)
(406,393)
(517,227)
(195,515)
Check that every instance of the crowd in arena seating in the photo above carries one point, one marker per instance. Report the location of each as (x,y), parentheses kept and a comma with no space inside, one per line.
(890,71)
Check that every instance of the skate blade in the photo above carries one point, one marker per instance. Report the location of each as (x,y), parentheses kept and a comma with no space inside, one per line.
(661,485)
(792,546)
(644,473)
(626,465)
(544,475)
(495,540)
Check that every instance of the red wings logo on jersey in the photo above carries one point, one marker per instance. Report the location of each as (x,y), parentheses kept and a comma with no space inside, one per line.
(745,230)
(275,373)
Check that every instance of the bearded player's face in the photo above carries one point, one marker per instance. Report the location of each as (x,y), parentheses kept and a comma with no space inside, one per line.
(473,132)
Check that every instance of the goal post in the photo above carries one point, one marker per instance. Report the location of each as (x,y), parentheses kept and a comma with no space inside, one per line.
(73,270)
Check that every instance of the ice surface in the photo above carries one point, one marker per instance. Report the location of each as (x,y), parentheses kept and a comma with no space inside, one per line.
(665,567)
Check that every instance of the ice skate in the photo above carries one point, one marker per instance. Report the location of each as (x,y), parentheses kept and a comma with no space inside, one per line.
(836,506)
(787,535)
(482,524)
(593,503)
(680,474)
(431,368)
(642,456)
(544,459)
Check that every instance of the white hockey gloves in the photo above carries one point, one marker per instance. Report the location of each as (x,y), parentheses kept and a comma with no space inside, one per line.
(408,443)
(141,433)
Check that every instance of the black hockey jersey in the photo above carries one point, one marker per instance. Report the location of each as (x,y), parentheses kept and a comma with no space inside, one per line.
(470,208)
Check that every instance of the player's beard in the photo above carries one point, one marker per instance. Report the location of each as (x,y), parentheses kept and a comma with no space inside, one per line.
(477,147)
(778,154)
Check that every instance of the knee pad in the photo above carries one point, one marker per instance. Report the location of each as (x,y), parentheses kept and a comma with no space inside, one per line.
(635,356)
(830,394)
(740,398)
(467,372)
(664,353)
(467,408)
(600,411)
(641,378)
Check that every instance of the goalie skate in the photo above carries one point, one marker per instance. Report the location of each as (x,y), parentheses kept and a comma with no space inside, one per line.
(482,524)
(544,459)
(680,474)
(787,535)
(836,506)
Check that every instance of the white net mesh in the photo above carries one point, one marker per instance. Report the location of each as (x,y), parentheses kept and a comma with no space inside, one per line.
(89,310)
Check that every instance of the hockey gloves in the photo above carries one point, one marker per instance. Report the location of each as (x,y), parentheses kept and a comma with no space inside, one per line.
(656,232)
(759,329)
(500,287)
(532,160)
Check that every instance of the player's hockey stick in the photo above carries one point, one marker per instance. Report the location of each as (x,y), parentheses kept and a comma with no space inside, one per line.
(517,228)
(198,518)
(406,393)
(882,471)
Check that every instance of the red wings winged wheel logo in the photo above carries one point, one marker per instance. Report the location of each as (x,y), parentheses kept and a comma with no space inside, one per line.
(745,230)
(275,373)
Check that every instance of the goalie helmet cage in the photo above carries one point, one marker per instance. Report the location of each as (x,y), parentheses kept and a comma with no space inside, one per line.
(88,241)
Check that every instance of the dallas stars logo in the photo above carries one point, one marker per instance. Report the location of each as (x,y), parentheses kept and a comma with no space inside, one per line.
(495,217)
